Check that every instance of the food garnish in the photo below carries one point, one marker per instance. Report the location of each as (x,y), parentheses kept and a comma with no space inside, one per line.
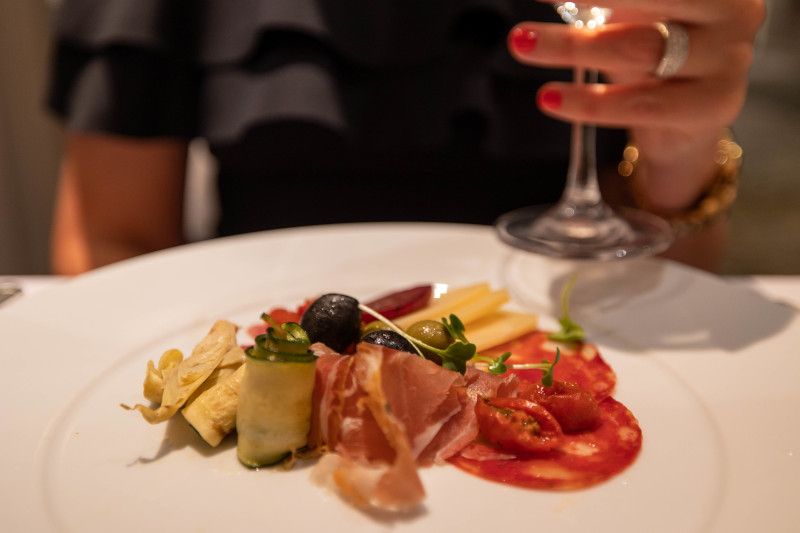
(571,331)
(453,357)
(545,366)
(458,350)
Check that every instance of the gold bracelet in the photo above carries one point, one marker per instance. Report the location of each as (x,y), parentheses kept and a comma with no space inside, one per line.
(712,205)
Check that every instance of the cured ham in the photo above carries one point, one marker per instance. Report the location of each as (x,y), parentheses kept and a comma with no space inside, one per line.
(462,428)
(381,411)
(435,406)
(371,464)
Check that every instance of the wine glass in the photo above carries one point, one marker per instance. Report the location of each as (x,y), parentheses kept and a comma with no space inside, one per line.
(581,225)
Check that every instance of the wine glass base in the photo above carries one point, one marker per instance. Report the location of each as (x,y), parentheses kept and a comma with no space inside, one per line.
(628,233)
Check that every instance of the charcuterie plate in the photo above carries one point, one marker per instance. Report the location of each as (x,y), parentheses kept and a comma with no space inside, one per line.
(710,370)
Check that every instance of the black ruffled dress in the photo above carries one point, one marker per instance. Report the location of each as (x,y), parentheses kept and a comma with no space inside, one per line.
(323,111)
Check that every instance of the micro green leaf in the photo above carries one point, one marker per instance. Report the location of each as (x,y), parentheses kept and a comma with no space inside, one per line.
(545,366)
(547,376)
(450,365)
(571,331)
(461,351)
(454,357)
(455,328)
(498,366)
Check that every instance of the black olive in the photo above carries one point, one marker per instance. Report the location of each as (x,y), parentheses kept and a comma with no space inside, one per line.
(334,320)
(390,339)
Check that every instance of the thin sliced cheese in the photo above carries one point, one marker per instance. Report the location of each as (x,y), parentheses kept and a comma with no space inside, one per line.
(482,307)
(447,304)
(499,327)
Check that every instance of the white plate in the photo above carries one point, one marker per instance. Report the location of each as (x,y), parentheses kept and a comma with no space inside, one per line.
(711,370)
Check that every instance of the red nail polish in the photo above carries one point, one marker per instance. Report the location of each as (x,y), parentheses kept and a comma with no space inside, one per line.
(550,99)
(523,40)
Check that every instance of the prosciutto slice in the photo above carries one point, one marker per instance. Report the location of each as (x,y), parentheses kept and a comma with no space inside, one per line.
(382,413)
(364,476)
(462,428)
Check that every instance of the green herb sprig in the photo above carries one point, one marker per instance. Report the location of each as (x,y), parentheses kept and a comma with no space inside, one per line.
(571,331)
(496,366)
(454,357)
(287,342)
(546,366)
(460,351)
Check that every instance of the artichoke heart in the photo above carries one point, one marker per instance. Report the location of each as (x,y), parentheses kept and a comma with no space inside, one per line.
(231,362)
(182,381)
(213,413)
(154,378)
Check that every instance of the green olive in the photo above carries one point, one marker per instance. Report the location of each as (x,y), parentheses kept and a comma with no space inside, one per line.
(375,325)
(432,333)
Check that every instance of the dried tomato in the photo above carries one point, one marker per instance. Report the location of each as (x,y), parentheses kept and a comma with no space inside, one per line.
(575,409)
(517,425)
(279,315)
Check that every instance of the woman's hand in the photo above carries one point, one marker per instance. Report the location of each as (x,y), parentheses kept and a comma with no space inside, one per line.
(677,121)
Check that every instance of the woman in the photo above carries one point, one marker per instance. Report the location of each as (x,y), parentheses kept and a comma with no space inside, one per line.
(348,110)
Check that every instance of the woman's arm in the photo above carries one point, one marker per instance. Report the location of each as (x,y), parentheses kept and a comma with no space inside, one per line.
(117,197)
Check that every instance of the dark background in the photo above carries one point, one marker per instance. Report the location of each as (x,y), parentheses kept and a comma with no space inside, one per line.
(765,220)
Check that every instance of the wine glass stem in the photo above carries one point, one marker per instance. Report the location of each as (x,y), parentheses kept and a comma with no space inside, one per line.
(583,190)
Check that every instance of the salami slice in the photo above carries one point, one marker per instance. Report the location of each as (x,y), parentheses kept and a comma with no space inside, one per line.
(581,460)
(580,362)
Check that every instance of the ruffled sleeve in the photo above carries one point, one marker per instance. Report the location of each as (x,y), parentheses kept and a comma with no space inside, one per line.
(126,67)
(382,75)
(413,75)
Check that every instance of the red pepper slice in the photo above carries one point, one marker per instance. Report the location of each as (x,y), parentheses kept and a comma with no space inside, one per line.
(399,303)
(517,425)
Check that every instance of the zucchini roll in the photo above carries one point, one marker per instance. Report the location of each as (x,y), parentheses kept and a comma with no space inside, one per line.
(274,412)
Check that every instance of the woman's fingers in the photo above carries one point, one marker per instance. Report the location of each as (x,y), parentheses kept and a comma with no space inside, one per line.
(708,90)
(680,104)
(633,49)
(693,11)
